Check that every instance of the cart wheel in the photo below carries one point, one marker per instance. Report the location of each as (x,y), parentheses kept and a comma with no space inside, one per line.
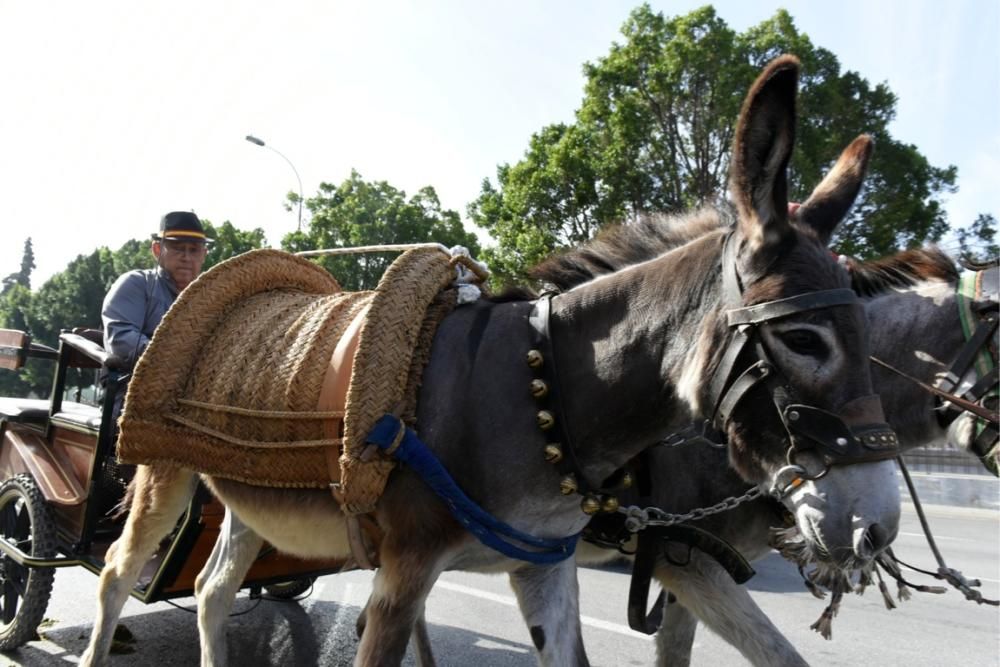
(24,591)
(286,590)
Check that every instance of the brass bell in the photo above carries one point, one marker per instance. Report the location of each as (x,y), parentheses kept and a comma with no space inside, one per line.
(535,358)
(609,504)
(590,505)
(546,420)
(627,481)
(539,389)
(567,485)
(553,453)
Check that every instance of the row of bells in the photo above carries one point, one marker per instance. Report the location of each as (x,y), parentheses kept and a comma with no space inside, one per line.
(592,503)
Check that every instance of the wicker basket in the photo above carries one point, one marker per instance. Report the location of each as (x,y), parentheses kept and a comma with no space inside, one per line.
(231,384)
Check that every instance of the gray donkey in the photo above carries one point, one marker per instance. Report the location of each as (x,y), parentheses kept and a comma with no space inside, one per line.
(731,321)
(909,297)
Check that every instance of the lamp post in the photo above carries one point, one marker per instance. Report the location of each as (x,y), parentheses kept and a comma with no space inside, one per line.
(260,142)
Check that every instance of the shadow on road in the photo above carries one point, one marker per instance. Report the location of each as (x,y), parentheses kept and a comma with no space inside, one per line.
(276,633)
(775,575)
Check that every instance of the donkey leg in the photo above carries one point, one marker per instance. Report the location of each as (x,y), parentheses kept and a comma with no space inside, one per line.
(161,494)
(401,585)
(421,638)
(422,641)
(726,608)
(675,638)
(218,582)
(549,600)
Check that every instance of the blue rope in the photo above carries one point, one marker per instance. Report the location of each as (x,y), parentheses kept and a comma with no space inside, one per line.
(487,528)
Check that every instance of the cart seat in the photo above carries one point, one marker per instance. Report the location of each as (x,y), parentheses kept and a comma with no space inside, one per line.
(24,410)
(79,414)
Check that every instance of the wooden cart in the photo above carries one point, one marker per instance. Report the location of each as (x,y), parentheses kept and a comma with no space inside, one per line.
(60,484)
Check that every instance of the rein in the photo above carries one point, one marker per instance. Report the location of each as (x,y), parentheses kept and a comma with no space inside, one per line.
(969,406)
(952,576)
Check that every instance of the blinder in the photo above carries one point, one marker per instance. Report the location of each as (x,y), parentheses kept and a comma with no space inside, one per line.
(857,434)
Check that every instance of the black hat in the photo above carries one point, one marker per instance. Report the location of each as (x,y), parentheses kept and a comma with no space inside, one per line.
(182,226)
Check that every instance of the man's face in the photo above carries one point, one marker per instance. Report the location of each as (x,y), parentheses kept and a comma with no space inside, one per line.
(182,260)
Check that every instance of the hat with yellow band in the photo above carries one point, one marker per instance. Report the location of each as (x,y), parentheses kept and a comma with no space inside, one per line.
(181,226)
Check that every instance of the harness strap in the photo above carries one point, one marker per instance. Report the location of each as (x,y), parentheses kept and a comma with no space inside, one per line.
(651,541)
(725,370)
(747,380)
(638,590)
(551,400)
(970,351)
(558,432)
(983,386)
(392,436)
(645,559)
(772,310)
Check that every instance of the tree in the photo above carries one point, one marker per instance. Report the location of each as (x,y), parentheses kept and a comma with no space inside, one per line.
(978,242)
(22,277)
(13,303)
(359,212)
(230,241)
(654,129)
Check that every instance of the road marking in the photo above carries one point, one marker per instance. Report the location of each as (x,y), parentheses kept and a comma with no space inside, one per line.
(511,601)
(319,584)
(942,537)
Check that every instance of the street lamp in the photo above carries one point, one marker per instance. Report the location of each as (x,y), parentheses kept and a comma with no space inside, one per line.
(260,142)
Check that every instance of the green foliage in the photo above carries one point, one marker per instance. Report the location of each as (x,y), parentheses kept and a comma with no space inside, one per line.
(359,212)
(230,241)
(22,277)
(133,254)
(978,242)
(654,130)
(14,302)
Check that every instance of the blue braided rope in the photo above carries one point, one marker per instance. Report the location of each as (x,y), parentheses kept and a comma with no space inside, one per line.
(487,528)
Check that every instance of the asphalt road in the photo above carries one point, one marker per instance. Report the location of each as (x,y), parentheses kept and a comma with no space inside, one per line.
(474,621)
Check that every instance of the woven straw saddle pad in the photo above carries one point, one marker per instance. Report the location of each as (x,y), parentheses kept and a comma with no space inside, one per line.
(250,376)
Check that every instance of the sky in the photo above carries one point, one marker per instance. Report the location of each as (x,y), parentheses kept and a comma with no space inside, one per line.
(114,113)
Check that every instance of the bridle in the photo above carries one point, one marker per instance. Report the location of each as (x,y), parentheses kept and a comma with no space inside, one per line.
(856,434)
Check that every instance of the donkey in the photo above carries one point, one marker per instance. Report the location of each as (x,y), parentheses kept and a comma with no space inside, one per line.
(908,297)
(645,350)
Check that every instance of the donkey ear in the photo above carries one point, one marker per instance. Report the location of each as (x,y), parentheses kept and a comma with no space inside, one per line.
(765,135)
(832,198)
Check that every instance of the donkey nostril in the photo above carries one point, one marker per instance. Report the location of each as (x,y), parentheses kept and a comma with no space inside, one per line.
(874,541)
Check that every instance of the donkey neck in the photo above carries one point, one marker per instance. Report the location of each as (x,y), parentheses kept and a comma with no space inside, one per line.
(622,344)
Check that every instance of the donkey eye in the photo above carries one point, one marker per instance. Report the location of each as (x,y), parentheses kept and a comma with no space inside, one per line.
(804,341)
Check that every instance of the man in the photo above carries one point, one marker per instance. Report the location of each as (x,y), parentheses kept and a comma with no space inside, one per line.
(132,310)
(137,301)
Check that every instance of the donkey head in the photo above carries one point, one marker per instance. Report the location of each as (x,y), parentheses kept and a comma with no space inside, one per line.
(796,420)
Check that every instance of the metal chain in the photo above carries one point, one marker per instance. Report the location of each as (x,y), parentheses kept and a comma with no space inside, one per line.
(638,518)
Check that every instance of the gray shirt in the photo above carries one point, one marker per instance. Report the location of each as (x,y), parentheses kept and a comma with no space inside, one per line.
(132,310)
